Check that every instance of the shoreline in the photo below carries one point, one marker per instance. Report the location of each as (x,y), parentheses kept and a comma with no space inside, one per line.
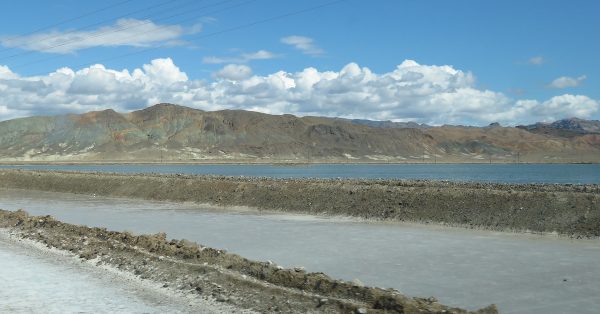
(564,209)
(286,162)
(228,278)
(151,293)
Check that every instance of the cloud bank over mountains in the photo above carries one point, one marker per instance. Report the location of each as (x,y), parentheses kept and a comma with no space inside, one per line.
(410,92)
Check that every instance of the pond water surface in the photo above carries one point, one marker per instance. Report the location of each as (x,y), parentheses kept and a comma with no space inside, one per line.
(466,268)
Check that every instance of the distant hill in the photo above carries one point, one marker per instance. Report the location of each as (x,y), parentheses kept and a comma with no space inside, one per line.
(167,132)
(584,126)
(389,124)
(565,127)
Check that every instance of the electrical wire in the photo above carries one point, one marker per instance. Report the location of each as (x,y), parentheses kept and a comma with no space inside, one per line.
(203,36)
(116,30)
(158,28)
(69,20)
(94,24)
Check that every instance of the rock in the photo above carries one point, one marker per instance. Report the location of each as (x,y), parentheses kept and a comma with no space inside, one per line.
(322,302)
(361,310)
(358,283)
(221,298)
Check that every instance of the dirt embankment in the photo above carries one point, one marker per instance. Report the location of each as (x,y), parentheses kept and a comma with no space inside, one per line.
(246,284)
(572,210)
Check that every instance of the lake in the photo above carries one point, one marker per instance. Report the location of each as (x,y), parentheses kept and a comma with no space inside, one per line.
(502,173)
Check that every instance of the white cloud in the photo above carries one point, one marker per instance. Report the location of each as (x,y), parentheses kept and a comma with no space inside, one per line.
(564,106)
(412,91)
(304,44)
(125,32)
(234,72)
(537,60)
(558,107)
(566,81)
(243,58)
(164,72)
(6,73)
(259,55)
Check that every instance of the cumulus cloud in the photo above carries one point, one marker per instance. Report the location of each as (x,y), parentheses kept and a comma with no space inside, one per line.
(125,32)
(537,60)
(566,81)
(304,44)
(6,73)
(243,58)
(412,91)
(560,107)
(234,72)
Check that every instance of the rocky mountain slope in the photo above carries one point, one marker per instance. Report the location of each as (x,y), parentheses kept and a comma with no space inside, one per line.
(389,124)
(565,127)
(167,132)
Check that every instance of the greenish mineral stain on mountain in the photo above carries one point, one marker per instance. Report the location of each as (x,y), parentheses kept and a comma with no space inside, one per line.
(171,132)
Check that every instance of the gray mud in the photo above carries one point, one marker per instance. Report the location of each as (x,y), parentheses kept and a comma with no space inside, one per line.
(228,278)
(570,210)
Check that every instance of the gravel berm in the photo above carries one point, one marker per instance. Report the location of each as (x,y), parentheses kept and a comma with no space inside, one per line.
(569,210)
(259,286)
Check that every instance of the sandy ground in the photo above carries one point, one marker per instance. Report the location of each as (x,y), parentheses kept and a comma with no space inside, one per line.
(50,280)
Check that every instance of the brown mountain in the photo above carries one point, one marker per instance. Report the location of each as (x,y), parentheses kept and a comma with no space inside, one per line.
(565,128)
(174,133)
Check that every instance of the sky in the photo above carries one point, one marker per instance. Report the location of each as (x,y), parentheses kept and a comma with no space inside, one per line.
(438,62)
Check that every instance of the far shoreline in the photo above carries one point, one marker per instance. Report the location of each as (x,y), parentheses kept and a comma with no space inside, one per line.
(278,163)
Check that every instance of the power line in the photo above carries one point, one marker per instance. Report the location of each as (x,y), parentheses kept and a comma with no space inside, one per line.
(91,25)
(100,34)
(69,20)
(228,30)
(158,28)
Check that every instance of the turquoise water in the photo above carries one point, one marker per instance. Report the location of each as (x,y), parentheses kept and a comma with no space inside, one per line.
(506,173)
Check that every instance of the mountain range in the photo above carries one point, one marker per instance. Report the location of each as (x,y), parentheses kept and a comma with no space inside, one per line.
(169,133)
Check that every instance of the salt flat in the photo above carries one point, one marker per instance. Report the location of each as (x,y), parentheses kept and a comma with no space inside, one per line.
(40,280)
(466,268)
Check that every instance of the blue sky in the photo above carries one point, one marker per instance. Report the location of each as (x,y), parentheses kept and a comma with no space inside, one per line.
(471,62)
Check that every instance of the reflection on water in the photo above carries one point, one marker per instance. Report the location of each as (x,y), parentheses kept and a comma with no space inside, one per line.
(521,274)
(513,173)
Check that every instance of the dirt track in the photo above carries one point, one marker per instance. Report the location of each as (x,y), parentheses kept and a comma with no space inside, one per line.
(571,210)
(259,286)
